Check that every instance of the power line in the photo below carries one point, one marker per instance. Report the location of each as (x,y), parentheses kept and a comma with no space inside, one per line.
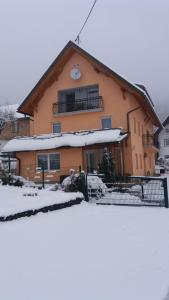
(78,36)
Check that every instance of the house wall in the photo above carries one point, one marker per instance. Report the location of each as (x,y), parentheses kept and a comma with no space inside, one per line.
(163,135)
(108,89)
(11,130)
(19,127)
(116,104)
(142,160)
(69,158)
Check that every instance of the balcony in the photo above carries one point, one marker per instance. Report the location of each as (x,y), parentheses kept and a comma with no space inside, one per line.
(78,105)
(149,142)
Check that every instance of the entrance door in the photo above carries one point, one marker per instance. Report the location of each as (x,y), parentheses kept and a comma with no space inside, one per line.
(90,161)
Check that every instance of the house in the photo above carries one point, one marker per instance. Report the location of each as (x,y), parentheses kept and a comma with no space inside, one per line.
(79,107)
(162,139)
(12,123)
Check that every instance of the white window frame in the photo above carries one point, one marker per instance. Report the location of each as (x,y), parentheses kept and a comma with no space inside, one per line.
(48,160)
(166,142)
(54,124)
(15,126)
(103,118)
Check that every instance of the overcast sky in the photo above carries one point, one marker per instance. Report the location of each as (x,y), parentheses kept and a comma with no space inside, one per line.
(130,36)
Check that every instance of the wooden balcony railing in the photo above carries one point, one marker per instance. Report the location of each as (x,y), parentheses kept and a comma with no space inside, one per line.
(148,140)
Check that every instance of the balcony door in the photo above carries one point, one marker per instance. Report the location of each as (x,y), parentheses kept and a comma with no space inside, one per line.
(70,102)
(80,98)
(90,161)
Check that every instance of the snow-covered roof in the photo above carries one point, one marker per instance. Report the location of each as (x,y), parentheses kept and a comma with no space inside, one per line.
(72,139)
(10,109)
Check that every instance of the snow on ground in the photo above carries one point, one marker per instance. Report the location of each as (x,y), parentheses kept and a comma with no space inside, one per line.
(86,252)
(12,199)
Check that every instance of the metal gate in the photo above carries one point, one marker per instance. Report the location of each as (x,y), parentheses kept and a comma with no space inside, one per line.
(130,190)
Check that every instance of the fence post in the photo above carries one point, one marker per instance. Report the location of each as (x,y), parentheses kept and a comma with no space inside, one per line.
(142,190)
(86,188)
(165,192)
(43,177)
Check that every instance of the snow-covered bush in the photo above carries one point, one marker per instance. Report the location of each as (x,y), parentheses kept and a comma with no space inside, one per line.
(107,166)
(96,187)
(74,182)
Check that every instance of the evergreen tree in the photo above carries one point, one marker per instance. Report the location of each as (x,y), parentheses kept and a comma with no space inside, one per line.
(107,166)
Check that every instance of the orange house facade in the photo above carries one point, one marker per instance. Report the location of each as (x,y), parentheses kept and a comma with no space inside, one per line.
(78,108)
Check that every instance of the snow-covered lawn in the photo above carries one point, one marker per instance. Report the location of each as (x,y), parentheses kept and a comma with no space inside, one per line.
(86,252)
(12,199)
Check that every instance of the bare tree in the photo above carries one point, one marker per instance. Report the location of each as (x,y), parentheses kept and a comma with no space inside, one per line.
(7,115)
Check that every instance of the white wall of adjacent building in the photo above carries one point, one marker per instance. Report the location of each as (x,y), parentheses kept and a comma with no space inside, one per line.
(163,140)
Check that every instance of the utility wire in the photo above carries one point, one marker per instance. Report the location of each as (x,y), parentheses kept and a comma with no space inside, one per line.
(78,36)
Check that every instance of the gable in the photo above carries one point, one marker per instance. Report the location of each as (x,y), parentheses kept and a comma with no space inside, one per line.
(56,68)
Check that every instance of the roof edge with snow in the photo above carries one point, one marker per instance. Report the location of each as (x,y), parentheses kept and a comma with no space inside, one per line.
(72,139)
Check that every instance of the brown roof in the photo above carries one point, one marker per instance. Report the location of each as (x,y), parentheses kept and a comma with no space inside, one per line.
(55,69)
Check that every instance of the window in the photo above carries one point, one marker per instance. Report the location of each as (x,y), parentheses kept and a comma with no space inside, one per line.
(142,129)
(56,127)
(43,161)
(139,129)
(15,126)
(167,130)
(49,161)
(141,164)
(166,142)
(81,98)
(134,125)
(150,162)
(136,155)
(54,161)
(106,123)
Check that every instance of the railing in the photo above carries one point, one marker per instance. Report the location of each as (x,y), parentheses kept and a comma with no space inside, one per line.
(148,140)
(91,103)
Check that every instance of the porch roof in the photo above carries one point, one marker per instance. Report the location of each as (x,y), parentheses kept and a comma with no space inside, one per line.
(71,139)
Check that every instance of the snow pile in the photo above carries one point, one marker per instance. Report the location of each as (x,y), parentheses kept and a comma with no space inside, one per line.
(87,252)
(14,199)
(75,139)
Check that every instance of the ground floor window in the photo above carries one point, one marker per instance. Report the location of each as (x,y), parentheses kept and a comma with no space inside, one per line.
(48,161)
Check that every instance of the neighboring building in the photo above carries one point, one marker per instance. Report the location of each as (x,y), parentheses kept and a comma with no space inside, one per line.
(78,108)
(12,124)
(162,139)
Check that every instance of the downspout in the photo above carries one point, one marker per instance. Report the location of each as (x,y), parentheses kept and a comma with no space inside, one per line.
(128,113)
(121,160)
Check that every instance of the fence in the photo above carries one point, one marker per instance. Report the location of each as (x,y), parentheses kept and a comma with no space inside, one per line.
(140,190)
